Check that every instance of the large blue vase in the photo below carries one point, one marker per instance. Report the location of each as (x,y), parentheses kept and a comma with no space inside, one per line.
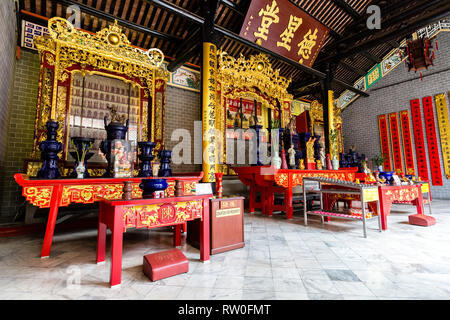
(165,170)
(388,176)
(146,156)
(49,153)
(114,130)
(149,186)
(257,129)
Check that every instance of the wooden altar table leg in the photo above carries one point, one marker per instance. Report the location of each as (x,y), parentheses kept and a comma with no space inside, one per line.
(251,201)
(101,235)
(269,202)
(54,206)
(326,206)
(289,209)
(177,235)
(385,207)
(204,233)
(264,201)
(116,247)
(419,201)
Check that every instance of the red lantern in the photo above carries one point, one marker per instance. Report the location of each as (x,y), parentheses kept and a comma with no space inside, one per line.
(420,54)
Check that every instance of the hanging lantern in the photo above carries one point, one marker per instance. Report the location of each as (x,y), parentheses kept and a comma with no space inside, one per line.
(419,54)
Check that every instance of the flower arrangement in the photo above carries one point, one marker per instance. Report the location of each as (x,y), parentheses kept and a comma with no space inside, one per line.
(84,149)
(379,159)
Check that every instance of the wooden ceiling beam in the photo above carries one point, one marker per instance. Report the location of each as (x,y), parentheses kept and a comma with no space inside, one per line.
(347,8)
(123,22)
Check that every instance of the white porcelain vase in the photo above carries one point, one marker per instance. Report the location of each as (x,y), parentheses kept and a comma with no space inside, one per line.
(80,170)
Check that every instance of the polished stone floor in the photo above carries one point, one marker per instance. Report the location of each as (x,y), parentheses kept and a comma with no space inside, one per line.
(281,260)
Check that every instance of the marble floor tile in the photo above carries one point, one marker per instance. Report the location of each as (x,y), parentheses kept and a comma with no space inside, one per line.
(258,295)
(342,275)
(258,283)
(229,282)
(281,260)
(352,288)
(225,294)
(319,286)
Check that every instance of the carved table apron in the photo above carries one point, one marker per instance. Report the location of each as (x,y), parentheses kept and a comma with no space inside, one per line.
(62,192)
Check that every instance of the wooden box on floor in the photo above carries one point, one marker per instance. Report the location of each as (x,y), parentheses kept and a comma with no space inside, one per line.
(227,225)
(165,264)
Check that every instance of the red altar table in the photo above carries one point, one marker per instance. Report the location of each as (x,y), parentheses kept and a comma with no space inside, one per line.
(268,180)
(388,195)
(62,192)
(118,215)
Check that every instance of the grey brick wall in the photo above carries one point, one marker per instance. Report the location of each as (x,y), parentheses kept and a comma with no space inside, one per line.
(20,128)
(7,61)
(393,93)
(183,107)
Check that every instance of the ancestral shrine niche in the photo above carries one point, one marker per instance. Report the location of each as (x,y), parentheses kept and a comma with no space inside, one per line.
(82,75)
(244,84)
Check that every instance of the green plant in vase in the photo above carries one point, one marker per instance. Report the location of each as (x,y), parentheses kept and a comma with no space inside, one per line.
(378,160)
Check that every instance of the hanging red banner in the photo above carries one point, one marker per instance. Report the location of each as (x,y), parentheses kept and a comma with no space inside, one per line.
(396,145)
(419,139)
(433,149)
(384,142)
(407,142)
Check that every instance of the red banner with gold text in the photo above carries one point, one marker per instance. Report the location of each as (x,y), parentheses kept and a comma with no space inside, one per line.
(396,146)
(384,141)
(433,149)
(407,142)
(419,139)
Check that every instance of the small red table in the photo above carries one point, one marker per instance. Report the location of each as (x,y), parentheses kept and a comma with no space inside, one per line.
(268,180)
(388,195)
(118,215)
(62,192)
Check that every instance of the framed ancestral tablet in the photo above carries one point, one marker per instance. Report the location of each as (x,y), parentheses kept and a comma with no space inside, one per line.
(123,157)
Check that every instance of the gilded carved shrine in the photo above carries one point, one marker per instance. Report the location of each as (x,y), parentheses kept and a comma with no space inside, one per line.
(243,84)
(109,72)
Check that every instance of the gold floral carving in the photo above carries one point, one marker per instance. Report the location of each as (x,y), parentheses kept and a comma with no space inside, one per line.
(108,51)
(148,216)
(256,72)
(38,196)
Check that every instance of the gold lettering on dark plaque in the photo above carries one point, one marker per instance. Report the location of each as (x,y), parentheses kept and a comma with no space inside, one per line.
(229,204)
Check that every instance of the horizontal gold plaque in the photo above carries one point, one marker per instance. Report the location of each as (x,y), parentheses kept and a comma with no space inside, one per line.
(370,195)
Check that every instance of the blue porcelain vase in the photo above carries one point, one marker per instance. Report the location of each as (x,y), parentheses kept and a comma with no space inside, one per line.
(146,156)
(165,170)
(149,186)
(49,153)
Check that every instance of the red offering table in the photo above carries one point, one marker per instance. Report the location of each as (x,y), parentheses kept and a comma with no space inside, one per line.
(118,215)
(62,192)
(388,195)
(268,180)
